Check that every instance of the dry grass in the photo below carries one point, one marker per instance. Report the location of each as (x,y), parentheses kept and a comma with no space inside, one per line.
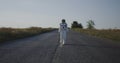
(113,34)
(7,34)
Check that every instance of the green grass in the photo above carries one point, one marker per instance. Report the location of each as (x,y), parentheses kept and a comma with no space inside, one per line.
(7,34)
(113,34)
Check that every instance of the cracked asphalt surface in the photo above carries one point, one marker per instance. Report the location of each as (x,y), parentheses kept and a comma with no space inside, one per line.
(44,48)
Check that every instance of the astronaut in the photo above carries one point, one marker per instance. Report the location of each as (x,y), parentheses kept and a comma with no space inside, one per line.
(63,31)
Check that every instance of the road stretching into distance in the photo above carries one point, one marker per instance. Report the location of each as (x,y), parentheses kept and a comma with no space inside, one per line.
(45,48)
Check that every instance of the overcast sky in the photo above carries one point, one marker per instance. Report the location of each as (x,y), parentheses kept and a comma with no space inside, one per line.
(49,13)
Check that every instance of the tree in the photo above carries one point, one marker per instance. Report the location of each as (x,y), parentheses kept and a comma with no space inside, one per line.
(76,25)
(90,24)
(80,25)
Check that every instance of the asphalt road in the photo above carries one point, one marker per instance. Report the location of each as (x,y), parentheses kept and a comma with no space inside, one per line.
(45,48)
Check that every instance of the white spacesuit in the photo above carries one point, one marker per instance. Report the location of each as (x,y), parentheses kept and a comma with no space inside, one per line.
(63,31)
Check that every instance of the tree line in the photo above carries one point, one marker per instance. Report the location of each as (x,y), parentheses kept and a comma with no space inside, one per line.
(90,25)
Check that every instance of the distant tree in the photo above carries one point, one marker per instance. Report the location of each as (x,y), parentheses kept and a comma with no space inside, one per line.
(76,25)
(90,24)
(80,25)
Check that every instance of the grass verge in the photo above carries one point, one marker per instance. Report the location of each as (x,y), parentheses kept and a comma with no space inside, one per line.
(113,34)
(7,34)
